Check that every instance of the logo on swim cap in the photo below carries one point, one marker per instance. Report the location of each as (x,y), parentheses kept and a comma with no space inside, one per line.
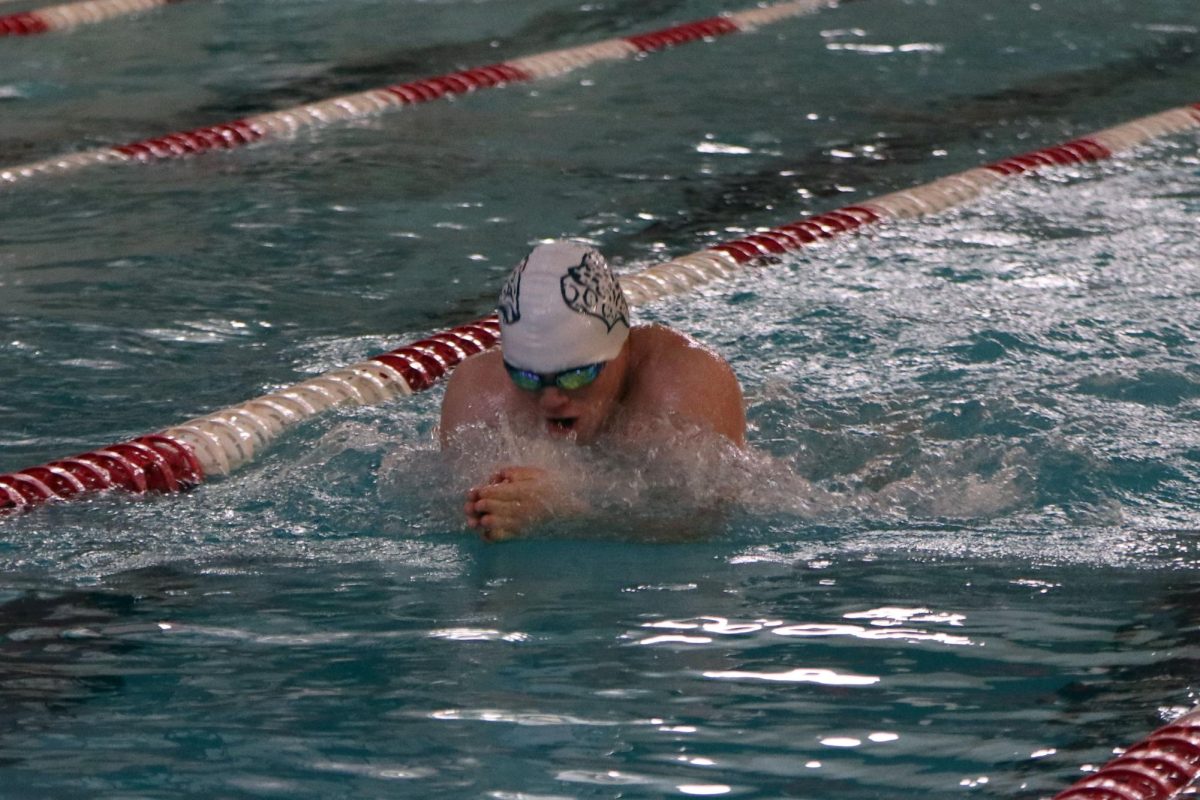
(510,295)
(590,289)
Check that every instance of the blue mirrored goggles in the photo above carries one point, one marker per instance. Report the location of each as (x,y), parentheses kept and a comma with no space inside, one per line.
(574,378)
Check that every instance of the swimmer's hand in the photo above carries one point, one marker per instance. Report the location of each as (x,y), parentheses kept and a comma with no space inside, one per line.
(514,499)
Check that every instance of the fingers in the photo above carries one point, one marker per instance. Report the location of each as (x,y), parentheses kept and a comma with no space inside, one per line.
(504,518)
(495,518)
(507,504)
(498,534)
(507,492)
(473,516)
(502,513)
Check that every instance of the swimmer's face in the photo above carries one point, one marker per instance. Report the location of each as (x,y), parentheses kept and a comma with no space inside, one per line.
(578,414)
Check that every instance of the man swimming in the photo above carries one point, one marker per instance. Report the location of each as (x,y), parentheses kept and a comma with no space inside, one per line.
(571,367)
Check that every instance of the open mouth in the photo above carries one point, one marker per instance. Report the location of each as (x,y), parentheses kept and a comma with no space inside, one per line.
(561,425)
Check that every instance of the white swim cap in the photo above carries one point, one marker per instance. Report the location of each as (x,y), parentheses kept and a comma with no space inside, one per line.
(562,308)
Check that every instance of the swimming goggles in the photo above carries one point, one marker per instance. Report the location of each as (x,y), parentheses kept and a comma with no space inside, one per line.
(574,378)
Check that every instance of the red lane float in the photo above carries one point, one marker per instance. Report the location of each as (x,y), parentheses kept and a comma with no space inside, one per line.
(794,235)
(71,15)
(424,363)
(229,135)
(183,456)
(25,23)
(1157,768)
(285,123)
(682,34)
(226,136)
(1076,151)
(148,463)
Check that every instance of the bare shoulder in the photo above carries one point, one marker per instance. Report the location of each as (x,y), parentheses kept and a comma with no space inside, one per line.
(476,392)
(676,375)
(675,354)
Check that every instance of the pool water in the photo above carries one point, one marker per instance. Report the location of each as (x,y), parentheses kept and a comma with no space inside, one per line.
(960,558)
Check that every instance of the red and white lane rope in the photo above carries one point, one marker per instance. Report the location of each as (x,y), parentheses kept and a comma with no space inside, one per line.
(1159,767)
(280,124)
(72,15)
(183,456)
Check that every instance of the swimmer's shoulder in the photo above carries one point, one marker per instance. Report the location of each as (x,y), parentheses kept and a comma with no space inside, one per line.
(667,350)
(677,375)
(480,373)
(476,392)
(656,341)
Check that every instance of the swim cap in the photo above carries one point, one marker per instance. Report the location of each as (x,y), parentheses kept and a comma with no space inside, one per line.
(562,308)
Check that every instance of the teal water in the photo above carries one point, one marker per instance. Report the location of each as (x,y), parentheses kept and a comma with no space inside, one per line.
(961,560)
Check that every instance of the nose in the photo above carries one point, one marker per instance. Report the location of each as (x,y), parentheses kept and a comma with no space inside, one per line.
(552,398)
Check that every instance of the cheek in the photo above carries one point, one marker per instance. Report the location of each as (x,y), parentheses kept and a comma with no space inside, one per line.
(597,407)
(524,405)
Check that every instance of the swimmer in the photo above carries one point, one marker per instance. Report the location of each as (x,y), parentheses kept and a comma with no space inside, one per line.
(570,367)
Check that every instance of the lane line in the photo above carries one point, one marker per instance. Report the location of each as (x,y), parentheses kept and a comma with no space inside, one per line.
(288,122)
